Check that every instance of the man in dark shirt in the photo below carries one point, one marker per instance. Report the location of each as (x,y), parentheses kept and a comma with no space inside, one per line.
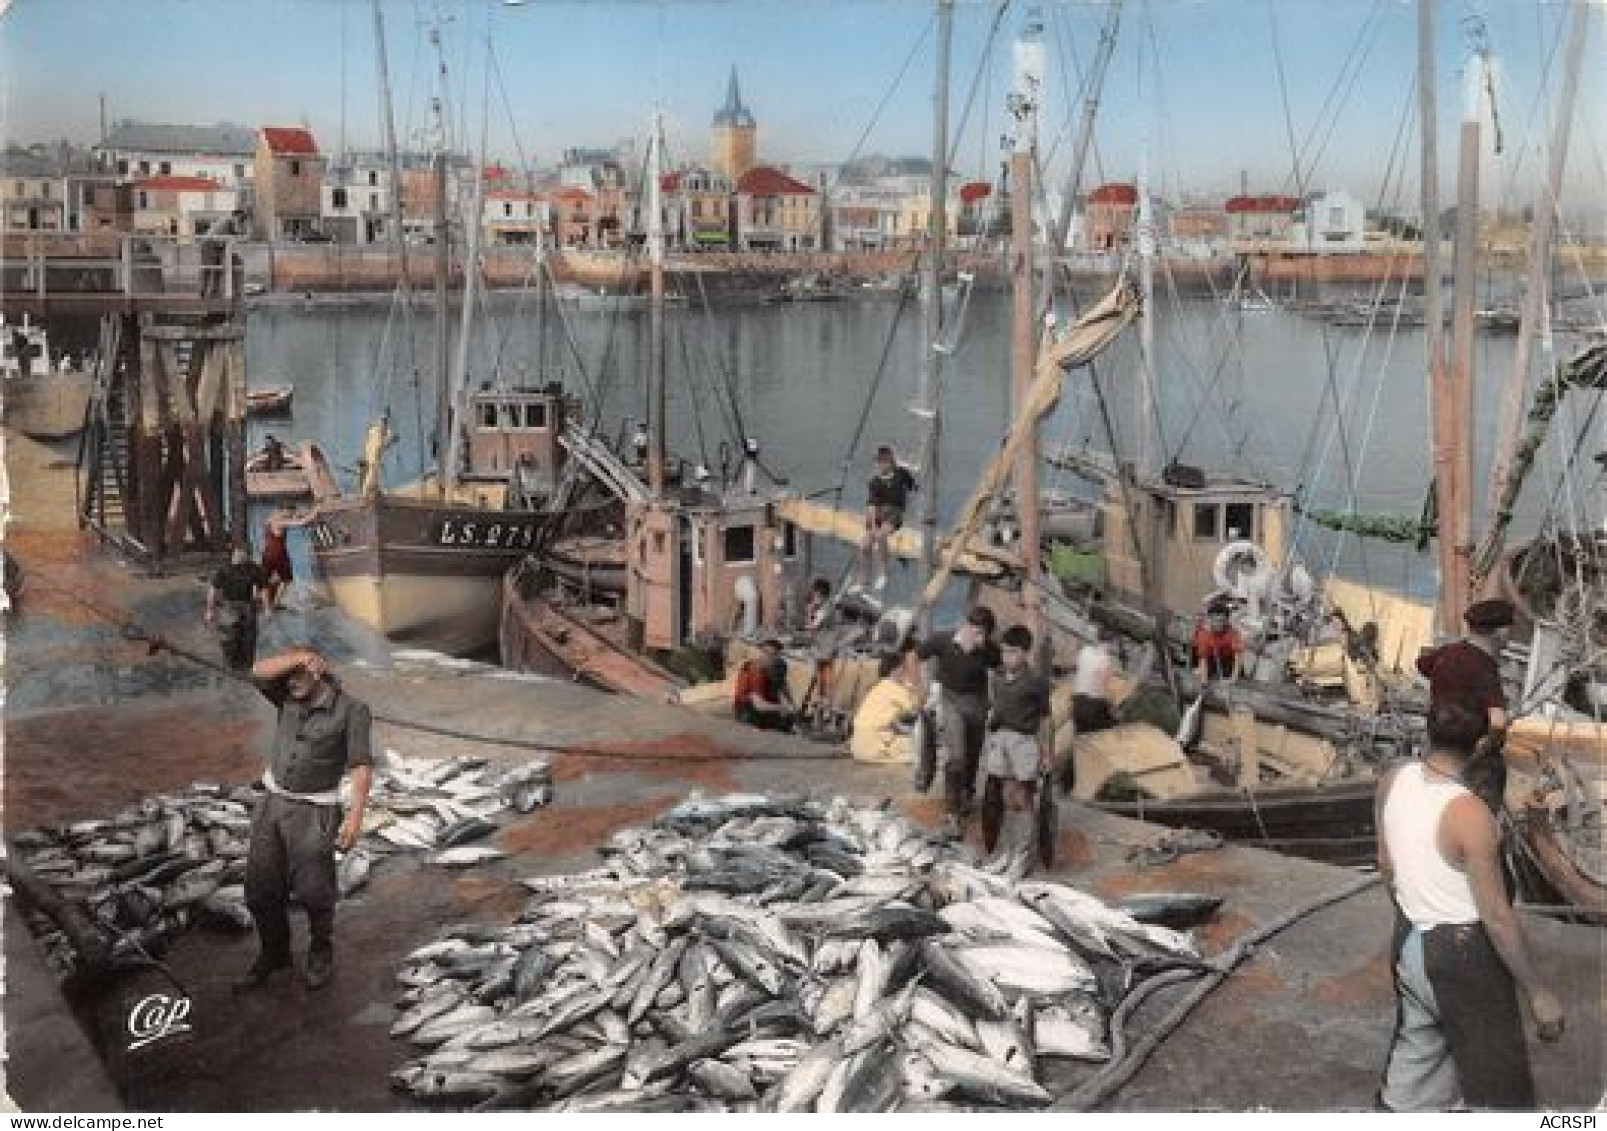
(322,734)
(1467,672)
(888,495)
(964,660)
(1014,752)
(231,607)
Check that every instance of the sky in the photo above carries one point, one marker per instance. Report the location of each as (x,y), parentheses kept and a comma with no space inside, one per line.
(1203,95)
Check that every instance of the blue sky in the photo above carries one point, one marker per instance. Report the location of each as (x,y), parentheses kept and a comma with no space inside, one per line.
(1206,88)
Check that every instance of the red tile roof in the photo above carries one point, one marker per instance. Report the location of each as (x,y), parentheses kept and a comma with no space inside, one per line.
(290,140)
(762,180)
(1261,204)
(1114,194)
(178,184)
(571,192)
(974,191)
(510,194)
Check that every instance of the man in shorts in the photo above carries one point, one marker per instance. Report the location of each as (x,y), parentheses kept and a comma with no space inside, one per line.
(1013,751)
(888,495)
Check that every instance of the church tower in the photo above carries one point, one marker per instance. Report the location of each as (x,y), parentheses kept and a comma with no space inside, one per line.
(734,134)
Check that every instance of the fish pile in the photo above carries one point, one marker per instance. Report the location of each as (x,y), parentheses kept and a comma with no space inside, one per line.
(178,859)
(752,953)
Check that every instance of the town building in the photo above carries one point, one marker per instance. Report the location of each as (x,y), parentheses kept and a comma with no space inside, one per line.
(698,209)
(180,207)
(1260,223)
(776,212)
(99,203)
(513,216)
(33,194)
(736,134)
(1109,217)
(288,203)
(355,200)
(1330,223)
(138,150)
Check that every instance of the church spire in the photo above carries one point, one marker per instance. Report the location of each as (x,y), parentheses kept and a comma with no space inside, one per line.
(733,113)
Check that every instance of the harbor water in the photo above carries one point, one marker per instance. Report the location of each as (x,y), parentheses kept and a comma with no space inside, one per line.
(1339,414)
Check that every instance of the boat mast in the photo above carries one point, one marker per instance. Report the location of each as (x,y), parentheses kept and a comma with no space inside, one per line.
(1444,435)
(473,220)
(655,356)
(1535,292)
(1456,505)
(1023,338)
(932,288)
(388,123)
(443,268)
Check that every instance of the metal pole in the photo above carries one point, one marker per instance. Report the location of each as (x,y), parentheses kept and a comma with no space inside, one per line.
(932,288)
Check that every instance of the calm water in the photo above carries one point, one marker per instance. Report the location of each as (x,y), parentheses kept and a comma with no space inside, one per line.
(1273,393)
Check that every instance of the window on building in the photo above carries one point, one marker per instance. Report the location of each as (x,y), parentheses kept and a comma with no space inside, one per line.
(739,545)
(507,208)
(337,198)
(145,168)
(44,189)
(1336,217)
(1238,520)
(488,416)
(122,166)
(373,178)
(142,201)
(1205,522)
(373,202)
(239,172)
(165,168)
(295,168)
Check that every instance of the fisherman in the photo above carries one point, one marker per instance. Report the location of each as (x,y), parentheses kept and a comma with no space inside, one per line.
(1217,647)
(886,716)
(276,560)
(1459,952)
(1013,751)
(322,734)
(1467,671)
(888,493)
(273,454)
(818,607)
(1090,689)
(964,660)
(761,699)
(231,607)
(836,637)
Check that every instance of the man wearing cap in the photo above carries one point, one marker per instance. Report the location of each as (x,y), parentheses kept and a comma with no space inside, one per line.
(1467,672)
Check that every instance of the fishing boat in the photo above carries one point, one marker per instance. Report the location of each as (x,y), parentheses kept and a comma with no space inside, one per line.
(423,563)
(273,401)
(689,561)
(45,397)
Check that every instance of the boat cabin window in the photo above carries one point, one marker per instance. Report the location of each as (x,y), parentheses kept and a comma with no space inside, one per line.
(535,416)
(739,546)
(1238,521)
(1205,524)
(789,540)
(488,415)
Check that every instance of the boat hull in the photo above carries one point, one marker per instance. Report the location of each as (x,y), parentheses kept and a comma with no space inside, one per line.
(1331,823)
(48,408)
(540,636)
(422,573)
(270,402)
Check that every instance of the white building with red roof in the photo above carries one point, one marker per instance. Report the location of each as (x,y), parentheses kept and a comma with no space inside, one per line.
(180,206)
(776,212)
(289,184)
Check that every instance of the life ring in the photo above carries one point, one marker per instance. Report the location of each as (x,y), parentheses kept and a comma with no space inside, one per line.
(1230,573)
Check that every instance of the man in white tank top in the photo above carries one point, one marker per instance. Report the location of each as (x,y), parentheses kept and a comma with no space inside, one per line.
(1459,951)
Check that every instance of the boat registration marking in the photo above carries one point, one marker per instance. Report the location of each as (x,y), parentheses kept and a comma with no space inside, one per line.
(483,534)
